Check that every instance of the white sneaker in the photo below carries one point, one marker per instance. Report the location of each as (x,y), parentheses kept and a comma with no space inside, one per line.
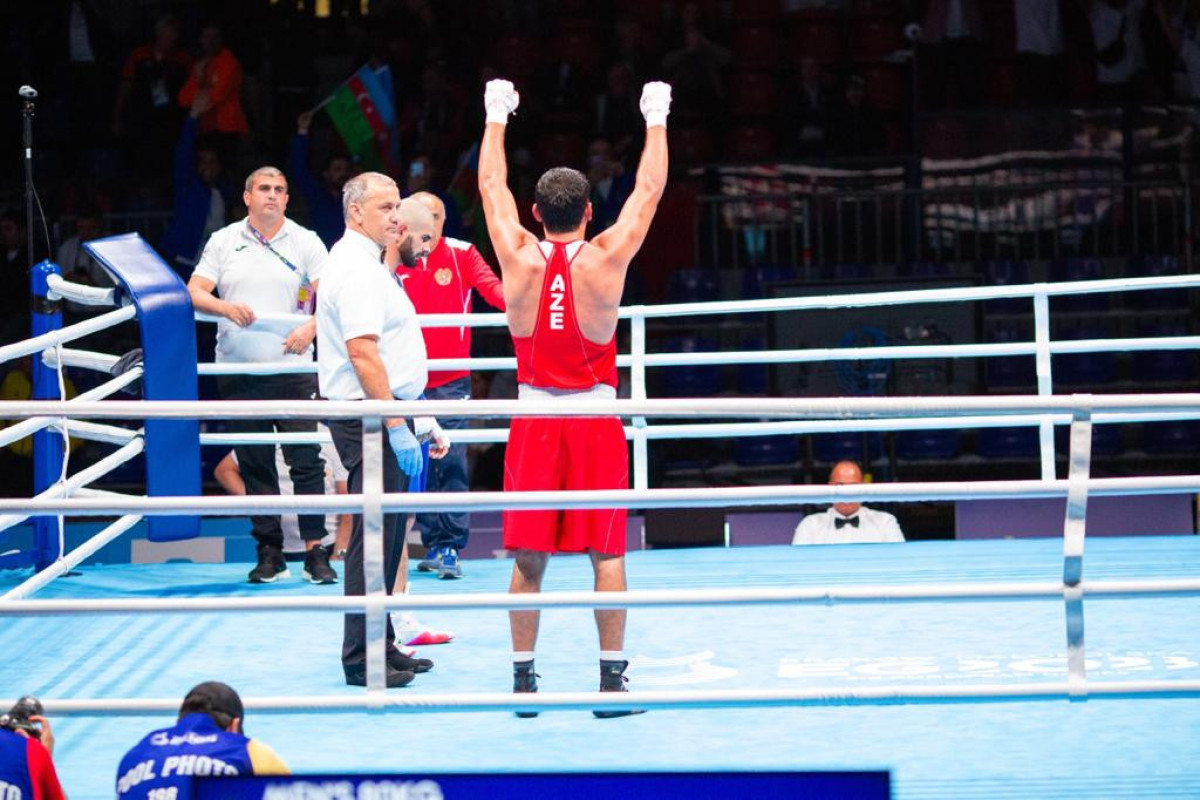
(413,634)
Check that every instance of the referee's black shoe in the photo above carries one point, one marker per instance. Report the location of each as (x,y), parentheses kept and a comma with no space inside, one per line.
(357,676)
(397,660)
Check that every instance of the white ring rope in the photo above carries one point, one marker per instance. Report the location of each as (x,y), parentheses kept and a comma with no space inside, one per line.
(754,407)
(70,333)
(703,497)
(582,701)
(62,289)
(806,595)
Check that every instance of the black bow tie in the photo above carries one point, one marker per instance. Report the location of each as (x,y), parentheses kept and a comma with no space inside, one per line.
(841,522)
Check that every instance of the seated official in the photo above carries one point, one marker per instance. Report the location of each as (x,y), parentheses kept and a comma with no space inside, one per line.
(847,523)
(208,739)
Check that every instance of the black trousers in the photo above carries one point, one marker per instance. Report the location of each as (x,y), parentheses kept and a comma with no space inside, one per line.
(257,462)
(347,438)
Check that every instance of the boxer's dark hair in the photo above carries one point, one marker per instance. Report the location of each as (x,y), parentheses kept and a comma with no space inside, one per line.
(561,196)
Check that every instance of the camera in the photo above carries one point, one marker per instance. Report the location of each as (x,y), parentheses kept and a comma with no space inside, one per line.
(17,718)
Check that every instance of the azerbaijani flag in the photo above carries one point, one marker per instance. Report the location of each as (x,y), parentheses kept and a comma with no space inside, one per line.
(364,114)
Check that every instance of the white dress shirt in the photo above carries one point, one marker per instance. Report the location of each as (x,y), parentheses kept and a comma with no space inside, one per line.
(359,296)
(873,527)
(247,273)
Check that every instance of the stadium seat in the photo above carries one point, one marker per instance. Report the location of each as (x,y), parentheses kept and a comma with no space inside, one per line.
(833,447)
(756,46)
(756,451)
(1168,438)
(886,85)
(1089,369)
(691,145)
(928,445)
(690,381)
(1107,440)
(753,94)
(517,57)
(1163,366)
(875,35)
(1008,442)
(816,35)
(693,286)
(750,143)
(923,269)
(1006,273)
(753,379)
(1078,269)
(1006,372)
(1147,266)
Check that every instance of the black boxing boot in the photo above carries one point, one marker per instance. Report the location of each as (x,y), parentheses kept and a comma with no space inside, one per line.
(612,679)
(525,682)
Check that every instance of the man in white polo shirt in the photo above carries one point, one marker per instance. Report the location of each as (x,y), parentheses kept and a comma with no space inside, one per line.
(372,349)
(268,265)
(847,523)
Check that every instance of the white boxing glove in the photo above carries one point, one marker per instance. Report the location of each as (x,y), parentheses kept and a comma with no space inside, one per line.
(656,103)
(500,99)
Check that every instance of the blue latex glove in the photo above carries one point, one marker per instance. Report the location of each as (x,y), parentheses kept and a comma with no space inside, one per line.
(408,451)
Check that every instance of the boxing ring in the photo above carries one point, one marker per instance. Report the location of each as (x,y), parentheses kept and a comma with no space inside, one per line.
(962,667)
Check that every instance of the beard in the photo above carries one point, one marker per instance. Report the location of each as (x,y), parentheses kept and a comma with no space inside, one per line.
(408,257)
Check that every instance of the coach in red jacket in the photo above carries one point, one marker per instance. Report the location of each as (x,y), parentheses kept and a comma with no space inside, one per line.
(442,284)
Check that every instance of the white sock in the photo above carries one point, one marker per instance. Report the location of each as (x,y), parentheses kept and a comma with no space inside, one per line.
(522,656)
(612,655)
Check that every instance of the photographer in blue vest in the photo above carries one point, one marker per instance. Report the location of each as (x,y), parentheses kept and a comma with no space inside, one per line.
(208,739)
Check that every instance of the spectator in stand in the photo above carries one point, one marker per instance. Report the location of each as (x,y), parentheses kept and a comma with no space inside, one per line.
(1181,29)
(617,118)
(443,283)
(951,55)
(611,185)
(632,53)
(14,269)
(856,128)
(694,71)
(809,113)
(26,755)
(323,197)
(1120,54)
(146,116)
(419,177)
(217,75)
(847,523)
(432,122)
(76,264)
(1041,66)
(203,195)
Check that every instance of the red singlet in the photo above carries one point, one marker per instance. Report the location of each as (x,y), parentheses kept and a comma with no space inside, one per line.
(553,453)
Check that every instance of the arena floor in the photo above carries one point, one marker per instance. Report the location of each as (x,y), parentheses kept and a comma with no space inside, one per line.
(1101,748)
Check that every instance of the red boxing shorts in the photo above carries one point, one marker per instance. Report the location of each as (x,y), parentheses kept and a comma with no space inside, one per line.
(554,454)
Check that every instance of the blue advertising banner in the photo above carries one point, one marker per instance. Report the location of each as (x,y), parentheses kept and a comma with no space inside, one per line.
(573,785)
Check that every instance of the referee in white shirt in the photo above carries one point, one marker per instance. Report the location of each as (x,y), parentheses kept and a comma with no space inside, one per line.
(847,523)
(372,348)
(267,264)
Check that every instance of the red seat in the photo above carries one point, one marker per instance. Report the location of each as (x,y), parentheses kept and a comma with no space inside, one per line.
(876,35)
(816,36)
(580,45)
(756,46)
(886,85)
(999,83)
(690,145)
(561,149)
(753,94)
(750,143)
(768,11)
(517,57)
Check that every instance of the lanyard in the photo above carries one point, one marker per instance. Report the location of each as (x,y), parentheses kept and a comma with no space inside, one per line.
(263,241)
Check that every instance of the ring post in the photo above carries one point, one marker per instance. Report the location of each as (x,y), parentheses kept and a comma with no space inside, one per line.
(47,443)
(167,325)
